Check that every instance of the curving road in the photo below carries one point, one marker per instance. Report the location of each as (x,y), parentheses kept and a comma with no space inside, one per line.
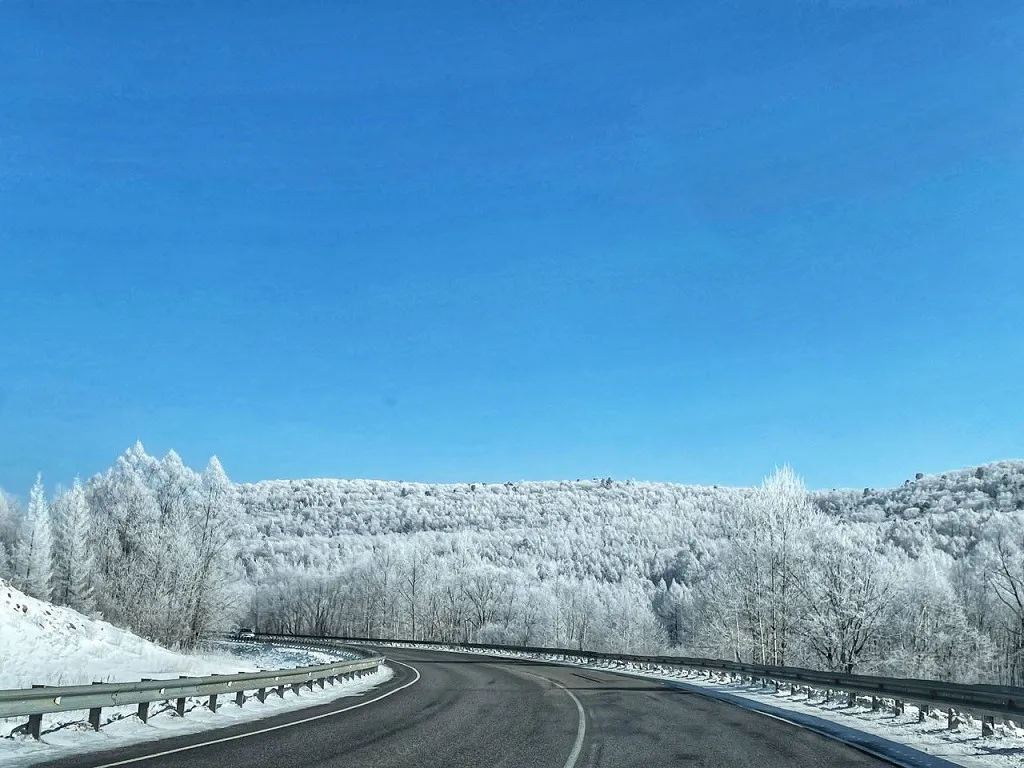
(449,710)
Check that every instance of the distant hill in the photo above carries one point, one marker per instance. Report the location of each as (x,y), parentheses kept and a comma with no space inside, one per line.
(604,528)
(946,510)
(623,564)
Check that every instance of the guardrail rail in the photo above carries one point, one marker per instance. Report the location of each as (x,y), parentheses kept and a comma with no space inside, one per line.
(40,700)
(988,701)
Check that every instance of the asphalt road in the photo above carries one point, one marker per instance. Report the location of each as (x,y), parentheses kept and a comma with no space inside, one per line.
(467,711)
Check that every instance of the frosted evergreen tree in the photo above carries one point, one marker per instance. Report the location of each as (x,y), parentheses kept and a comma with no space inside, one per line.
(218,507)
(33,568)
(73,561)
(126,545)
(10,516)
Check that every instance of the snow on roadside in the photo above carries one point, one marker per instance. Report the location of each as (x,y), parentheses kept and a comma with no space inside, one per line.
(964,746)
(23,751)
(45,644)
(251,656)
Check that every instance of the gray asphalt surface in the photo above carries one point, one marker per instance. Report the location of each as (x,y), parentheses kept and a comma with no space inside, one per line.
(469,711)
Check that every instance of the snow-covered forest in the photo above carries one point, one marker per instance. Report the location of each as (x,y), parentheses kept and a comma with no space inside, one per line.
(926,579)
(145,545)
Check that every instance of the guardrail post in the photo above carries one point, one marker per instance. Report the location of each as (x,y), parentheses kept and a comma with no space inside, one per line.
(988,725)
(35,722)
(875,703)
(261,695)
(280,691)
(179,705)
(310,684)
(213,702)
(143,710)
(34,726)
(922,712)
(828,695)
(95,712)
(951,720)
(321,683)
(240,698)
(296,687)
(851,700)
(897,708)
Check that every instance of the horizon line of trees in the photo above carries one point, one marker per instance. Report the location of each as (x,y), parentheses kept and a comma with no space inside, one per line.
(767,576)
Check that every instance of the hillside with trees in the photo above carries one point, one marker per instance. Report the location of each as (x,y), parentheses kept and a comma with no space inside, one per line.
(926,579)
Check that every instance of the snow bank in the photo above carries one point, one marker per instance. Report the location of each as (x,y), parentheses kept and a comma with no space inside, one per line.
(45,644)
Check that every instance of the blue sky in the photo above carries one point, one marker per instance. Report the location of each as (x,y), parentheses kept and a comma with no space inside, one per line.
(490,241)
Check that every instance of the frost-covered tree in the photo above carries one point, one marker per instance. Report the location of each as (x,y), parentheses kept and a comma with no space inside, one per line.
(849,588)
(176,490)
(764,563)
(33,564)
(126,544)
(73,561)
(216,511)
(1001,559)
(10,518)
(928,633)
(160,534)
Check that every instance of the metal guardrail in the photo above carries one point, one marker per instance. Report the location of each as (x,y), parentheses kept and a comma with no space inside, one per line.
(985,700)
(39,700)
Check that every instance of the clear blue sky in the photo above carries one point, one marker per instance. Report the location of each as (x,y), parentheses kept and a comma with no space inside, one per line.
(488,241)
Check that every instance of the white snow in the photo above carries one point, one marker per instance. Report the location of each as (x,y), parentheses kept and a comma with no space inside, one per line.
(41,643)
(45,644)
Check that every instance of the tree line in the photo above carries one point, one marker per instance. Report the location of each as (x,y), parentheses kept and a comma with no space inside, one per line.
(775,574)
(846,581)
(144,545)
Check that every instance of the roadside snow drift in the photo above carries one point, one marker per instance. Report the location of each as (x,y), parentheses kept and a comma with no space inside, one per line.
(45,644)
(41,643)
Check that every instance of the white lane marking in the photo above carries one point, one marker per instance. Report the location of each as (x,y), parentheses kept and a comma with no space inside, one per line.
(581,730)
(271,728)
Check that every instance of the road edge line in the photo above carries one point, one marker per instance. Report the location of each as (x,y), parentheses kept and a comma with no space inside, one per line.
(915,759)
(223,739)
(581,728)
